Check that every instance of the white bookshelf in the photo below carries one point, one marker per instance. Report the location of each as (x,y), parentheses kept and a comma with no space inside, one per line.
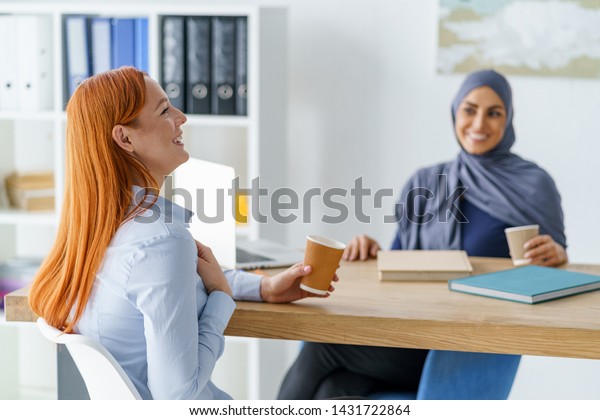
(27,362)
(253,144)
(21,217)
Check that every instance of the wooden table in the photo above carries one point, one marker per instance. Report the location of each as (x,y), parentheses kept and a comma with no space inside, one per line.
(427,315)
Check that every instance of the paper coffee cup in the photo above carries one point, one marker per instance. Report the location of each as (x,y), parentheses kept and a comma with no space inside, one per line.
(323,255)
(516,237)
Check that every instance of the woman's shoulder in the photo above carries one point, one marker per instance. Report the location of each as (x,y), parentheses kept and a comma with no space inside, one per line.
(537,176)
(136,231)
(157,223)
(152,247)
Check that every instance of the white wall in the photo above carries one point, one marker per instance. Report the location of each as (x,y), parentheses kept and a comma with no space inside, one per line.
(363,86)
(365,101)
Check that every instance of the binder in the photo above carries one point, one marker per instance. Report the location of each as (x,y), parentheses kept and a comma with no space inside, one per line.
(123,43)
(77,52)
(34,62)
(198,38)
(223,66)
(141,43)
(8,69)
(101,44)
(173,60)
(241,65)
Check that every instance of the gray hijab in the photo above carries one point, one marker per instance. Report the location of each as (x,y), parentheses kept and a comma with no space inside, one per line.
(500,183)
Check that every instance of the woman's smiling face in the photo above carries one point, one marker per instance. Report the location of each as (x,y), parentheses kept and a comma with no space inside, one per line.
(480,121)
(157,135)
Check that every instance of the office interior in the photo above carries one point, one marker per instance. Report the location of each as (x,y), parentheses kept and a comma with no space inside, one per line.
(364,99)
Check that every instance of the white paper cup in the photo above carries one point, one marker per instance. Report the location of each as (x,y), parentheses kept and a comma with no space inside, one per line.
(516,237)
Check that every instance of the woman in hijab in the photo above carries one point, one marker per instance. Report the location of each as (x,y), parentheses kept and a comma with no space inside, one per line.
(462,204)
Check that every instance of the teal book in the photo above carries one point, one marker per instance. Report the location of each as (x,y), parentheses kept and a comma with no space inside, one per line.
(531,284)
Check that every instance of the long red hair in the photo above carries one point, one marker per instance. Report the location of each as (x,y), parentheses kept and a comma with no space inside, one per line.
(98,193)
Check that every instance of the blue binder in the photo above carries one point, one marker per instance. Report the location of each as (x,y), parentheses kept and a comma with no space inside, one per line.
(123,42)
(141,44)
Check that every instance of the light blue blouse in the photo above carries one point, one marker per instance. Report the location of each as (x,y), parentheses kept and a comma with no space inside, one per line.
(150,309)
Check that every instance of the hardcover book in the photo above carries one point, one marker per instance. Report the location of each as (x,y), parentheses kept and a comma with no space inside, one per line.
(530,284)
(423,265)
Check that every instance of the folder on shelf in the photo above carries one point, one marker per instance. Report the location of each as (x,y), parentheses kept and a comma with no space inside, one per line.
(198,38)
(141,43)
(223,66)
(241,65)
(34,39)
(173,60)
(8,69)
(101,44)
(123,42)
(77,52)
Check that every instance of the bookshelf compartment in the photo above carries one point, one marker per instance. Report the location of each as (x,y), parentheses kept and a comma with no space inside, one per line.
(253,143)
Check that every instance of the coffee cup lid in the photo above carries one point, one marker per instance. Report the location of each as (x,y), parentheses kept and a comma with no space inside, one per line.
(517,228)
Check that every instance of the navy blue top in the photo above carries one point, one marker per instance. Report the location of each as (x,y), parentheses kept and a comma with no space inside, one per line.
(483,236)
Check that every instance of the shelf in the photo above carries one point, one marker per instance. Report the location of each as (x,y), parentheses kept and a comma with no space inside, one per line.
(134,8)
(21,217)
(49,116)
(192,119)
(218,120)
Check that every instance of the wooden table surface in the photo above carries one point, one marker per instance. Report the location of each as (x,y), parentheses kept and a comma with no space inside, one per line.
(422,314)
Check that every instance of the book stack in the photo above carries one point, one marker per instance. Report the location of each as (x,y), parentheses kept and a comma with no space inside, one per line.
(204,63)
(421,265)
(31,191)
(15,274)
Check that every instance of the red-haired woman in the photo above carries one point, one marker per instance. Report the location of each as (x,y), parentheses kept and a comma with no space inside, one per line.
(119,271)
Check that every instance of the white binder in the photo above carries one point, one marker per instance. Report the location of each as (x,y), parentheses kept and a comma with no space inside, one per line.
(101,41)
(34,62)
(8,69)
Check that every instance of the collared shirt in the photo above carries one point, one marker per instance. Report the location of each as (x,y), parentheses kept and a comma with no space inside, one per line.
(150,309)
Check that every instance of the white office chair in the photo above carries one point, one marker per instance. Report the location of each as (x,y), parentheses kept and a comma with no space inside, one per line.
(103,376)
